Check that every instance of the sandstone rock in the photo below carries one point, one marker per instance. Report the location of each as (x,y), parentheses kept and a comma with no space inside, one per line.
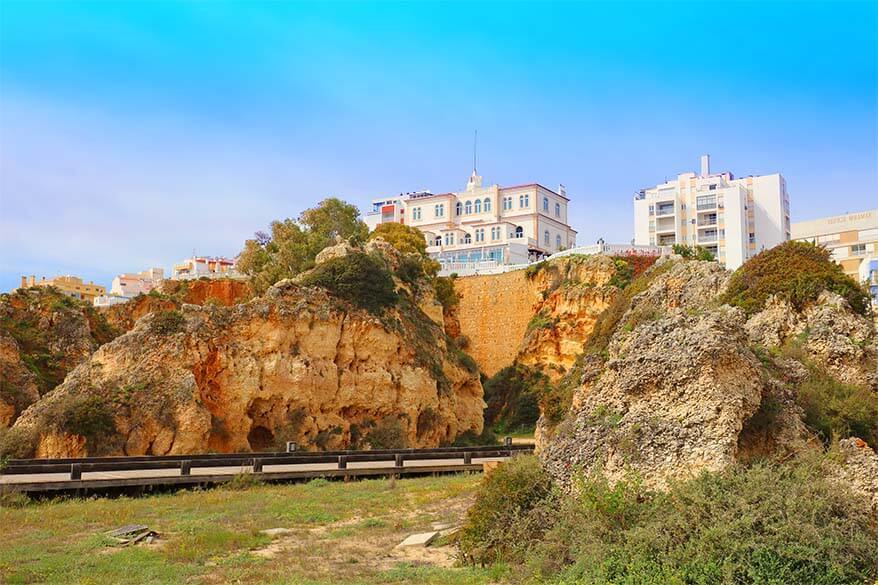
(293,365)
(43,335)
(689,385)
(859,468)
(671,402)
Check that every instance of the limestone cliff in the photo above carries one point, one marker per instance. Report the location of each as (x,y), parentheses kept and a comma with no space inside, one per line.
(44,334)
(541,316)
(297,364)
(173,294)
(687,383)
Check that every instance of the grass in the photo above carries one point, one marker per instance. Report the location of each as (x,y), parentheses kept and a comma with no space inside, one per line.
(210,536)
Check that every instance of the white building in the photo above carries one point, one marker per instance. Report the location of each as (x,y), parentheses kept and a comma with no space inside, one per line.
(733,218)
(205,267)
(483,225)
(130,285)
(127,286)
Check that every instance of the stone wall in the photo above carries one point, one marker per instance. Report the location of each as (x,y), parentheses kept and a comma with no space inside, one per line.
(494,312)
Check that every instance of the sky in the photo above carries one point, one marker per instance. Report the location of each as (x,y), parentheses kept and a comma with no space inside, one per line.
(134,133)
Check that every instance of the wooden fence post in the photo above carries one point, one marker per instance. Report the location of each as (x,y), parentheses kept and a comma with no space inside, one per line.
(342,462)
(76,471)
(185,467)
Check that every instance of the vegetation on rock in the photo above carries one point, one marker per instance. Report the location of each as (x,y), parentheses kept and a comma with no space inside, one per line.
(513,396)
(769,523)
(292,246)
(693,252)
(358,278)
(796,272)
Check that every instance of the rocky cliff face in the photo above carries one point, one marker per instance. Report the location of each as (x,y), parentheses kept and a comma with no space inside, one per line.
(297,364)
(540,317)
(688,384)
(44,334)
(173,294)
(573,292)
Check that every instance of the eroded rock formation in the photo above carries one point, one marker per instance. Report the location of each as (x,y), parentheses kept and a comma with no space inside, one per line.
(296,364)
(688,384)
(44,334)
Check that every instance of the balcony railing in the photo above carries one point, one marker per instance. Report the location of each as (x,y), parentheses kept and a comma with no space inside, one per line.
(660,211)
(707,239)
(706,221)
(706,206)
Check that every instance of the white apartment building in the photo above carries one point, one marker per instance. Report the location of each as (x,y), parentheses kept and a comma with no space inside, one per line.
(131,285)
(205,267)
(495,225)
(733,218)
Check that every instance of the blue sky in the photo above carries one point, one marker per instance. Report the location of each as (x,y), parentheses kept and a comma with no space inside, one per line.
(134,133)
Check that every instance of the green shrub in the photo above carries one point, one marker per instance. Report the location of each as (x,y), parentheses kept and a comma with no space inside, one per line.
(796,272)
(763,524)
(167,322)
(17,443)
(388,433)
(357,278)
(693,252)
(510,513)
(531,271)
(835,410)
(541,320)
(622,275)
(513,395)
(445,292)
(87,416)
(471,439)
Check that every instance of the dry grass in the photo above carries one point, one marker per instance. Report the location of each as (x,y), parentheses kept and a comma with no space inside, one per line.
(342,532)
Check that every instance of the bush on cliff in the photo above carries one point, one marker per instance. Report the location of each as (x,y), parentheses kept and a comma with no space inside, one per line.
(796,272)
(835,410)
(510,513)
(764,524)
(357,278)
(513,395)
(693,252)
(293,245)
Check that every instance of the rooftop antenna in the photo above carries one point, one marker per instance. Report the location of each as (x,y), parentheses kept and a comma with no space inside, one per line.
(475,146)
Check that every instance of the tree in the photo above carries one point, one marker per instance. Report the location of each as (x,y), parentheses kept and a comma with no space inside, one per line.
(292,245)
(406,239)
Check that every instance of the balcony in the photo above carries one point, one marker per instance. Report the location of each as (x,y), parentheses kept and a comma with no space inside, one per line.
(707,238)
(707,220)
(664,210)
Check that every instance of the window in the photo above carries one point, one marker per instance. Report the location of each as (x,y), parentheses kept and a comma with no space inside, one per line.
(438,241)
(557,210)
(449,239)
(558,242)
(416,213)
(495,233)
(519,232)
(858,249)
(478,205)
(469,207)
(507,203)
(487,204)
(523,201)
(439,210)
(457,208)
(467,239)
(480,235)
(652,209)
(546,237)
(545,204)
